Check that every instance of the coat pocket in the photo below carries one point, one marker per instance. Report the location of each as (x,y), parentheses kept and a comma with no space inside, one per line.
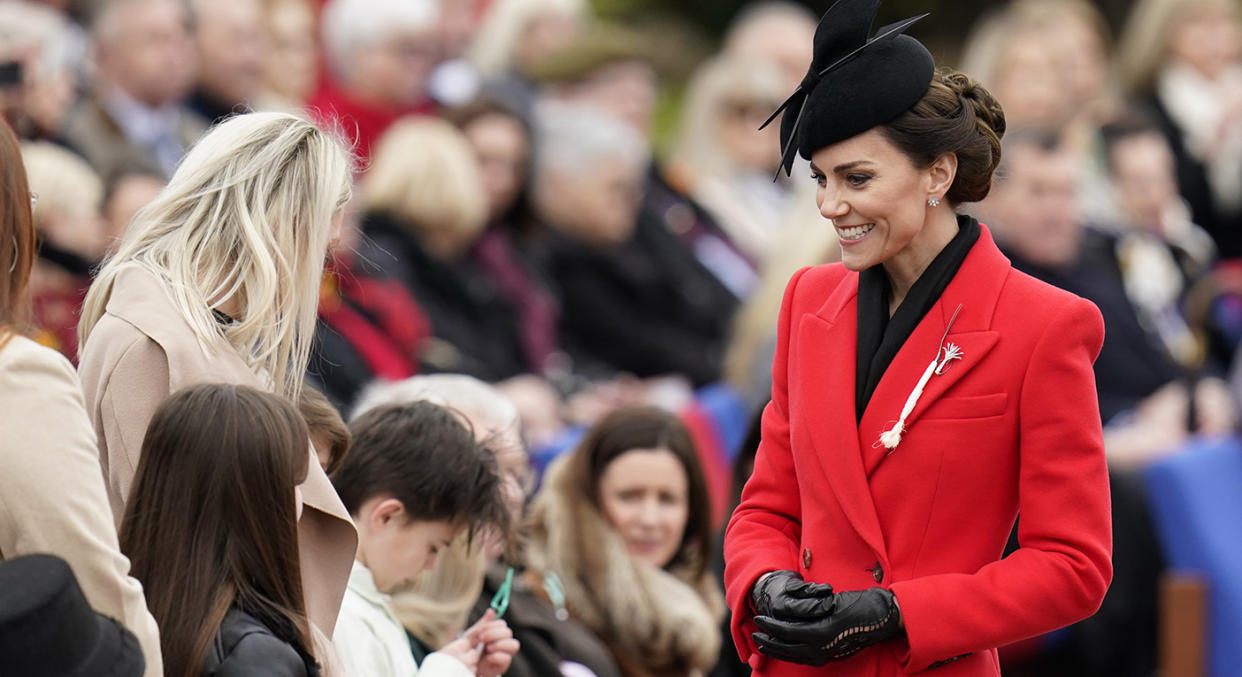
(972,406)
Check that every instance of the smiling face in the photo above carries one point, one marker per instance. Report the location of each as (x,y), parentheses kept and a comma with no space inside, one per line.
(645,495)
(877,201)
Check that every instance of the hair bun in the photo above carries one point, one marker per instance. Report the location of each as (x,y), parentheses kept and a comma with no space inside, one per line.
(987,109)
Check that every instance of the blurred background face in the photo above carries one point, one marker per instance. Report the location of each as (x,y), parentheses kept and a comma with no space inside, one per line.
(1144,178)
(544,35)
(395,72)
(502,149)
(1035,207)
(645,495)
(458,21)
(149,53)
(737,119)
(232,47)
(1206,38)
(292,56)
(513,463)
(626,89)
(1083,56)
(131,193)
(598,206)
(1028,82)
(783,41)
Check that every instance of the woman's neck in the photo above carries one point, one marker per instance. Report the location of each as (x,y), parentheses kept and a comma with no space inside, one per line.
(906,266)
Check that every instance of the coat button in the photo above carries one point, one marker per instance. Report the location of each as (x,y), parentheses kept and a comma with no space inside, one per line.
(878,573)
(806,558)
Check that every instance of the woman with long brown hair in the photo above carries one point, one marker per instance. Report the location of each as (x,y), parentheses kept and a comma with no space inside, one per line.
(52,497)
(222,579)
(624,523)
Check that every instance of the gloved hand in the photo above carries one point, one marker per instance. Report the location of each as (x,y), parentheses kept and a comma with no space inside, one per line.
(859,619)
(785,596)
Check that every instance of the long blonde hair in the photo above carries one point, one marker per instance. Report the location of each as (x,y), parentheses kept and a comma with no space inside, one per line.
(1144,44)
(425,173)
(246,216)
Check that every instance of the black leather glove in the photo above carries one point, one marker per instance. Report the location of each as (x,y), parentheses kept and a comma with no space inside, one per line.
(785,596)
(859,619)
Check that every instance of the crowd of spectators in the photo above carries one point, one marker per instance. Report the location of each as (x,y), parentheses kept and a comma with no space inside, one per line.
(519,249)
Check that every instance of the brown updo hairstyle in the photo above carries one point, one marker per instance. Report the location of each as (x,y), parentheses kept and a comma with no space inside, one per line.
(17,236)
(631,428)
(957,115)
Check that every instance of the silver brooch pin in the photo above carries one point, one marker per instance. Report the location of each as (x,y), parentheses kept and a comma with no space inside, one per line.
(946,353)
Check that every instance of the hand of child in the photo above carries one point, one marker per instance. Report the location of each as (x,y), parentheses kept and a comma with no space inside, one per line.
(498,644)
(486,648)
(464,650)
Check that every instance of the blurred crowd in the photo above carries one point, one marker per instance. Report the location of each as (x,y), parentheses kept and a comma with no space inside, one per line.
(515,221)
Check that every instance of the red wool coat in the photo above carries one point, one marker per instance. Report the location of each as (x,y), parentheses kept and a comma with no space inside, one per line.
(1013,426)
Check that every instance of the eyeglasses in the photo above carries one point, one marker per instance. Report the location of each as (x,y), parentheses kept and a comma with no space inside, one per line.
(34,200)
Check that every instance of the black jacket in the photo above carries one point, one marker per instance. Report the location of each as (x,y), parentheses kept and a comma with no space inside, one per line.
(1193,184)
(646,307)
(475,327)
(1131,364)
(245,647)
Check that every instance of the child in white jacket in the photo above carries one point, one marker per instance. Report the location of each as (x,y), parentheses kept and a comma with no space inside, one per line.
(414,479)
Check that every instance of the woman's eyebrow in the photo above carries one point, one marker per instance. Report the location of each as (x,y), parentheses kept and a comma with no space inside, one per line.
(849,165)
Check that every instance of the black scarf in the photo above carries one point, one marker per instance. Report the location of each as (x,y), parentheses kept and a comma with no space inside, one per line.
(880,337)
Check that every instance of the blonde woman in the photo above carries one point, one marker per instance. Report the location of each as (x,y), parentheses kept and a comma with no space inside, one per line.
(217,281)
(1183,58)
(723,162)
(517,33)
(424,208)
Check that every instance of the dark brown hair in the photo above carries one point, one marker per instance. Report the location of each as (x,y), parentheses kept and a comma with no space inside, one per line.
(633,428)
(426,457)
(956,115)
(325,421)
(17,236)
(211,520)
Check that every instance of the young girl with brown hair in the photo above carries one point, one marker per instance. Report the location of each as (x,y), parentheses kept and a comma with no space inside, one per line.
(222,578)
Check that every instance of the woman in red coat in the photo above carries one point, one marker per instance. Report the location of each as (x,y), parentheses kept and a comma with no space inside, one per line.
(924,395)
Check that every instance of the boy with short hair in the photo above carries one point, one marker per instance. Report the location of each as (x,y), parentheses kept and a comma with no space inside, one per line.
(415,479)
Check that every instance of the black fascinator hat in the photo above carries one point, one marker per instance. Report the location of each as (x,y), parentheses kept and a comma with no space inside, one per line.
(854,82)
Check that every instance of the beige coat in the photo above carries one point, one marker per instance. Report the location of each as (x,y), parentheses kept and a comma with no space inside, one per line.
(138,353)
(51,497)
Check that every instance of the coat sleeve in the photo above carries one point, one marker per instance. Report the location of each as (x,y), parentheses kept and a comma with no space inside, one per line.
(134,390)
(52,497)
(259,654)
(765,530)
(1063,566)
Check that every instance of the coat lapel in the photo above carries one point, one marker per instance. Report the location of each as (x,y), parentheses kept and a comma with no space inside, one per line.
(975,288)
(828,341)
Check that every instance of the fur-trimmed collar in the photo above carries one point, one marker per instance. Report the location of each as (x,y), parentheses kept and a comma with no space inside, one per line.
(665,621)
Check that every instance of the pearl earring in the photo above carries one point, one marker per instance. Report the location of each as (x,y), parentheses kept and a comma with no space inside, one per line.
(933,202)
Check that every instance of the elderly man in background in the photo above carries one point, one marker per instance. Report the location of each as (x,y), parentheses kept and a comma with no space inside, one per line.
(232,43)
(145,65)
(380,55)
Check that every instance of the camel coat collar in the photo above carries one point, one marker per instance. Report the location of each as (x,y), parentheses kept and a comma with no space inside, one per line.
(326,535)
